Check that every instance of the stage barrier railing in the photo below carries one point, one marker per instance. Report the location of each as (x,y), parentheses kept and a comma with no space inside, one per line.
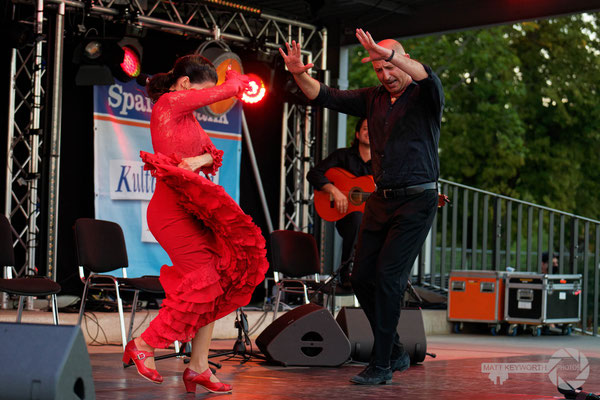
(481,230)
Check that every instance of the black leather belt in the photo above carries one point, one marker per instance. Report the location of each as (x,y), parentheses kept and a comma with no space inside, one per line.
(406,191)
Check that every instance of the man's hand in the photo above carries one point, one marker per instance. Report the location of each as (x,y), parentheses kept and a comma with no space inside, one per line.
(195,163)
(340,199)
(376,52)
(293,59)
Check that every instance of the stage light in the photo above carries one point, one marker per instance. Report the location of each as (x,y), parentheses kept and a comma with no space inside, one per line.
(131,62)
(256,92)
(90,55)
(222,59)
(234,6)
(93,50)
(102,60)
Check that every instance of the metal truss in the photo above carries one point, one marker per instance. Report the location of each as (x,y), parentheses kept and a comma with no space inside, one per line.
(295,199)
(256,29)
(205,19)
(29,86)
(26,101)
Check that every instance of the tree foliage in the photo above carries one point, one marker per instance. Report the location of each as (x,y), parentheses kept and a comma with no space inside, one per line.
(522,115)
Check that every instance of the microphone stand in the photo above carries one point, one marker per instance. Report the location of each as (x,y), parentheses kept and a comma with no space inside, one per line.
(243,340)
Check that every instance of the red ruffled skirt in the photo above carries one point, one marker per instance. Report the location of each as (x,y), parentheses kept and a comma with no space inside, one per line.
(218,253)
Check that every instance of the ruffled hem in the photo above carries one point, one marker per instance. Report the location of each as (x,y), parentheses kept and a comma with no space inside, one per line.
(196,299)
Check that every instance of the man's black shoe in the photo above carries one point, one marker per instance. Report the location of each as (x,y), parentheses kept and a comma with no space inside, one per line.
(400,364)
(373,375)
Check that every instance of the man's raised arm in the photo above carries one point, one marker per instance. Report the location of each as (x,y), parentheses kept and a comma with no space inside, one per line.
(293,60)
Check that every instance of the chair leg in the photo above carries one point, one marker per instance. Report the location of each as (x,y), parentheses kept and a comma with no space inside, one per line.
(121,316)
(132,319)
(83,301)
(54,309)
(20,309)
(277,300)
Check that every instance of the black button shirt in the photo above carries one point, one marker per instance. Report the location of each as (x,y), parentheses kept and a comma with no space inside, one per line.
(404,135)
(346,158)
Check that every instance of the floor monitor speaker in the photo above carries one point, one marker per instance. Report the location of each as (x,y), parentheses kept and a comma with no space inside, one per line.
(44,362)
(307,335)
(355,325)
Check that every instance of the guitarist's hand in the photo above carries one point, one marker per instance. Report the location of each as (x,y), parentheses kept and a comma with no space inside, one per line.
(340,199)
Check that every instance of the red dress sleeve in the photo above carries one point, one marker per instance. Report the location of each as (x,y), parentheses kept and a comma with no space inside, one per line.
(175,130)
(186,101)
(217,156)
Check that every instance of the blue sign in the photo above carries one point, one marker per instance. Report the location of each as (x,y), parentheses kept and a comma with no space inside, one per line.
(123,188)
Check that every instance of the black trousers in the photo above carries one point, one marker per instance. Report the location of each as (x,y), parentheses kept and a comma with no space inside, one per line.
(348,228)
(390,238)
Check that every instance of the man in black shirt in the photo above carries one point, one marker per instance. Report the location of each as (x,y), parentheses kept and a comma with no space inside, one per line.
(356,160)
(404,115)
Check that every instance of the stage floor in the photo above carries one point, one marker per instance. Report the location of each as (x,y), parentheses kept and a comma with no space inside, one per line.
(456,373)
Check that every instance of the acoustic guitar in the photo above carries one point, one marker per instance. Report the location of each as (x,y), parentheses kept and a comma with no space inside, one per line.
(357,188)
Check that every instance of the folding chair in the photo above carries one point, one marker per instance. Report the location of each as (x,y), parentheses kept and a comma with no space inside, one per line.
(296,264)
(27,286)
(101,249)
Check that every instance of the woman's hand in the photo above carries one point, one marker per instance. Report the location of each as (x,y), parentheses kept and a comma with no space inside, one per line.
(241,82)
(293,59)
(376,52)
(195,163)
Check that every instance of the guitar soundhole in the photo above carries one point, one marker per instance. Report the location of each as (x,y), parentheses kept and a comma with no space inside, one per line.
(355,196)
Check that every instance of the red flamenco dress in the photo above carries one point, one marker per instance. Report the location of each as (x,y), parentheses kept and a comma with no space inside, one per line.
(218,254)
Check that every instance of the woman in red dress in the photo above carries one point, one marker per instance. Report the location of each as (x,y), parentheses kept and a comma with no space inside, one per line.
(218,254)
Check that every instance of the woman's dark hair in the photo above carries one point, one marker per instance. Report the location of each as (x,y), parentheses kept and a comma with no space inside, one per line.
(194,66)
(357,129)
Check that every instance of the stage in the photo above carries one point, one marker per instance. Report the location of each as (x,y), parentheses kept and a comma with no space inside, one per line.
(456,372)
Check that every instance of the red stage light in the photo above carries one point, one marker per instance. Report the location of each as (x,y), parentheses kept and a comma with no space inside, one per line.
(131,62)
(256,92)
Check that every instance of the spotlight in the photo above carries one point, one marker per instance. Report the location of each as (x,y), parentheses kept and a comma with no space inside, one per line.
(256,92)
(92,50)
(92,70)
(103,60)
(131,65)
(222,59)
(234,6)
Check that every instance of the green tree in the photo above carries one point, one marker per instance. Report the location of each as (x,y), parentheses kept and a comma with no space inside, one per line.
(561,69)
(522,115)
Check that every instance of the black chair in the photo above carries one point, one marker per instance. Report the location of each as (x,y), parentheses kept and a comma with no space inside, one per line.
(100,249)
(296,264)
(27,286)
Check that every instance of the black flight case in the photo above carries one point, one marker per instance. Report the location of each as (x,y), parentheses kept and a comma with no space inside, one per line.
(542,299)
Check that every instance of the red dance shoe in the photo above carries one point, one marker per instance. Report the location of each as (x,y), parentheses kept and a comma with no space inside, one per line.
(138,356)
(192,378)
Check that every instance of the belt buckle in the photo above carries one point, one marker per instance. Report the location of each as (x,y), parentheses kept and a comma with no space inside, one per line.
(388,192)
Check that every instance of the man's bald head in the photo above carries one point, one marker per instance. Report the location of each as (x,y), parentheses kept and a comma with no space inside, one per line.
(392,77)
(392,45)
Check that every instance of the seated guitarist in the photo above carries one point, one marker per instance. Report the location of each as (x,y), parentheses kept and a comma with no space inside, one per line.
(356,160)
